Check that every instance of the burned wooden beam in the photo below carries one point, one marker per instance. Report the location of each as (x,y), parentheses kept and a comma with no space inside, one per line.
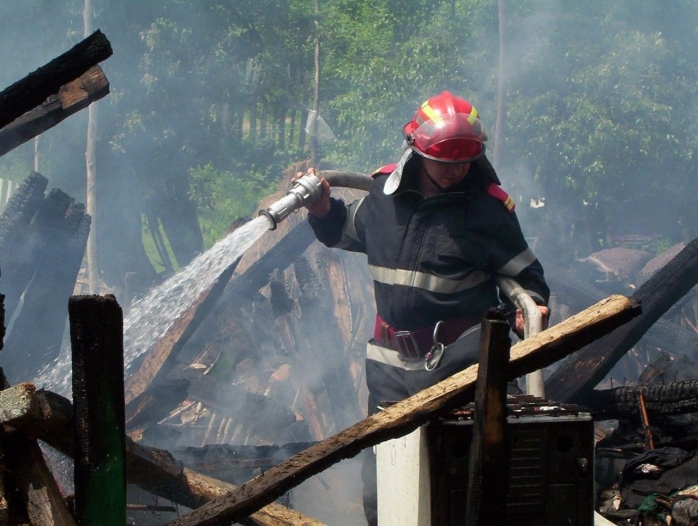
(52,423)
(399,419)
(71,98)
(59,236)
(158,472)
(673,398)
(235,463)
(31,91)
(16,261)
(96,337)
(576,377)
(488,463)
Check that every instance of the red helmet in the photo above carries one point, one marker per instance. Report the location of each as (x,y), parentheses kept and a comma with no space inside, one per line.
(447,128)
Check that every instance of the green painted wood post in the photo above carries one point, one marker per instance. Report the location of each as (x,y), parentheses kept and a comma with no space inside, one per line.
(96,336)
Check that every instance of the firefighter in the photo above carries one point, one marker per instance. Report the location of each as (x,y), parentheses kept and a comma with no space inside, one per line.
(436,229)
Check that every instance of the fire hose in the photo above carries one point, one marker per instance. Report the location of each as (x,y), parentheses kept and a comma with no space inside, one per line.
(307,189)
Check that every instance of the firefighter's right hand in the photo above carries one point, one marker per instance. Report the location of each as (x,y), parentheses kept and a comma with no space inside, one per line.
(321,207)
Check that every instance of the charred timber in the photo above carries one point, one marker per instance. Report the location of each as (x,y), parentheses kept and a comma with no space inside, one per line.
(16,261)
(576,378)
(31,91)
(675,398)
(40,494)
(403,417)
(59,236)
(489,460)
(96,338)
(28,491)
(71,98)
(236,464)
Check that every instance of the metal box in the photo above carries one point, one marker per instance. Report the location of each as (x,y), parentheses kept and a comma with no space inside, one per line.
(551,472)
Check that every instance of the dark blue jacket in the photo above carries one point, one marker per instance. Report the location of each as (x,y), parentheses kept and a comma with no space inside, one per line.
(433,258)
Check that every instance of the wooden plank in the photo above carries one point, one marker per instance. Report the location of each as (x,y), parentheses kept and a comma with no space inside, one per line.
(31,91)
(71,98)
(576,377)
(488,463)
(19,402)
(399,419)
(158,472)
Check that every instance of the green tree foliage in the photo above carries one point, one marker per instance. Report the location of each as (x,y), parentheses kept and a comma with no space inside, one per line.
(209,99)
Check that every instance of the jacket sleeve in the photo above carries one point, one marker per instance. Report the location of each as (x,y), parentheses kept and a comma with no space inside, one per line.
(338,228)
(511,256)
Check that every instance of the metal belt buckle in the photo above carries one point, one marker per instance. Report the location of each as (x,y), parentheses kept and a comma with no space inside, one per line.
(402,342)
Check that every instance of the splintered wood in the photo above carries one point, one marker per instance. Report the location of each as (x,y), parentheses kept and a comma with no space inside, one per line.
(397,420)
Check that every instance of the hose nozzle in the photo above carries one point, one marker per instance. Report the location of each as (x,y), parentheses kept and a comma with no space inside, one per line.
(306,190)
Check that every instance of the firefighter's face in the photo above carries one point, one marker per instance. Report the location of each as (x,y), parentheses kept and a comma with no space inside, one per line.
(445,174)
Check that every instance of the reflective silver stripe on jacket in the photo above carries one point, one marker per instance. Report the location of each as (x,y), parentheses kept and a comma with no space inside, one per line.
(349,234)
(386,356)
(422,280)
(516,264)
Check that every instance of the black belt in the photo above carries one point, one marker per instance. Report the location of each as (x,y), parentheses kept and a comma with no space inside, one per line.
(416,344)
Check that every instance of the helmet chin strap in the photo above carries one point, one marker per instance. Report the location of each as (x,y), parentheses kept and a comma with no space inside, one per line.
(433,181)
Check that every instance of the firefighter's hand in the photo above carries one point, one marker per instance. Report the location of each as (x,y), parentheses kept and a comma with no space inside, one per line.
(545,312)
(321,207)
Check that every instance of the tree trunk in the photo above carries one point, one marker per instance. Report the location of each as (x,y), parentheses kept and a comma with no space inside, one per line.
(501,102)
(93,269)
(314,146)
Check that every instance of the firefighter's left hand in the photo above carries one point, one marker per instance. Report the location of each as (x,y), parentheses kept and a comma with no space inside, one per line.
(545,312)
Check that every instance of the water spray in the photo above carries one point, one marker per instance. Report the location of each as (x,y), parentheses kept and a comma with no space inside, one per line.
(306,190)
